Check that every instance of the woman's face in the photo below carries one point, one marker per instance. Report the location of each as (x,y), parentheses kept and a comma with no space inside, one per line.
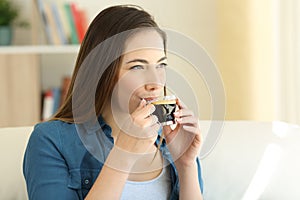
(142,72)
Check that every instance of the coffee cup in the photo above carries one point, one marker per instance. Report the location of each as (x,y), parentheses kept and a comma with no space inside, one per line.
(164,109)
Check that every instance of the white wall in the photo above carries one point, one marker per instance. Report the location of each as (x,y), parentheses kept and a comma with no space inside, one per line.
(246,58)
(287,49)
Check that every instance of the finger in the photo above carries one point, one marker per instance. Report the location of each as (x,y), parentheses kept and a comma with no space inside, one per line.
(191,129)
(150,120)
(142,104)
(152,131)
(139,115)
(180,103)
(188,120)
(145,111)
(156,127)
(147,122)
(183,112)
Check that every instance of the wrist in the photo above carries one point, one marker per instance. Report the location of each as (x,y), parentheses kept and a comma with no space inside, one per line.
(185,166)
(121,160)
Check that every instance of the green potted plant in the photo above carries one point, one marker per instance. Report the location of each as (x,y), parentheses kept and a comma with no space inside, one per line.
(9,12)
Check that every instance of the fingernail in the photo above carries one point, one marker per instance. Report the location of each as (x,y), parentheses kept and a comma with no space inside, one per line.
(155,119)
(143,102)
(179,119)
(152,109)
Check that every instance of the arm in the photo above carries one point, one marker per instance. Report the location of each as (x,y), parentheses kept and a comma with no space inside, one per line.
(184,143)
(189,183)
(127,150)
(45,169)
(112,178)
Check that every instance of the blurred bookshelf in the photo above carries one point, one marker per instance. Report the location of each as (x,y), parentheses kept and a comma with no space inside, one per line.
(39,49)
(24,68)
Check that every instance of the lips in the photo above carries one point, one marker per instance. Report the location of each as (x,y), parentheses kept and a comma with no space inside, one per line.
(149,99)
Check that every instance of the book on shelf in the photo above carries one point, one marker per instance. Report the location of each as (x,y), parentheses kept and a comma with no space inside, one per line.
(40,8)
(52,24)
(64,23)
(73,34)
(53,98)
(48,105)
(56,99)
(58,18)
(79,18)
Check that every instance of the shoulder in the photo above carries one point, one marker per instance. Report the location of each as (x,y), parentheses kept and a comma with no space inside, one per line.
(55,127)
(51,132)
(46,129)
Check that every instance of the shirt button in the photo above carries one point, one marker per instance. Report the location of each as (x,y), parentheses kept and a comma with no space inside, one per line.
(86,181)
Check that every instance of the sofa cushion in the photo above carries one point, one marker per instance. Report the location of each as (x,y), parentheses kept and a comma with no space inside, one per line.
(12,147)
(253,160)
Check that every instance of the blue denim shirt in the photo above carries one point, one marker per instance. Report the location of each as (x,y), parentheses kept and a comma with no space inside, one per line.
(57,164)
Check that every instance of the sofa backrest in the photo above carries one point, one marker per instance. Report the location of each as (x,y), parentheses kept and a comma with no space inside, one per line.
(253,160)
(12,146)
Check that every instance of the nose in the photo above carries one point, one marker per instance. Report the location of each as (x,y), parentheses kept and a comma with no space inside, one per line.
(155,79)
(152,87)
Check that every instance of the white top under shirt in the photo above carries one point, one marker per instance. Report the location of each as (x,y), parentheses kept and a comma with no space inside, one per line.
(158,188)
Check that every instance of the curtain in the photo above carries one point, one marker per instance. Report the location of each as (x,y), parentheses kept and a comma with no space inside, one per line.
(287,65)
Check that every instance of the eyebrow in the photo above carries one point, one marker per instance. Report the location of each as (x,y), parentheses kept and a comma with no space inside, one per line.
(145,61)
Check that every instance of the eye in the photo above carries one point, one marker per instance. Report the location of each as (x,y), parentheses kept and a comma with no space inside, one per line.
(162,65)
(136,67)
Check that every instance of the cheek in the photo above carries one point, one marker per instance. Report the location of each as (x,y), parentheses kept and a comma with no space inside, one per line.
(128,84)
(124,93)
(162,77)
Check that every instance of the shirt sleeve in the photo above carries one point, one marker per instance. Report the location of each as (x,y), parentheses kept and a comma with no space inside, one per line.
(45,170)
(200,175)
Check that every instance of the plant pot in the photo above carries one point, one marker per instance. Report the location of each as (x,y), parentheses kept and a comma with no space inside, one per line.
(5,35)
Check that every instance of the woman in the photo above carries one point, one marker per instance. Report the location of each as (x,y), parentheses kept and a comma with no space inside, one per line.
(104,142)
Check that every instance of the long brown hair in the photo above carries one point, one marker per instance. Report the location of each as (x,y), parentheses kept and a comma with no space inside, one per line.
(106,24)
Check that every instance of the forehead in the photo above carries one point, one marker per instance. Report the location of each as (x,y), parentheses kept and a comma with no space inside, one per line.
(144,39)
(151,56)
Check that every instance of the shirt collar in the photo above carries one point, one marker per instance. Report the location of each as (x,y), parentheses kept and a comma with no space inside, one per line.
(93,125)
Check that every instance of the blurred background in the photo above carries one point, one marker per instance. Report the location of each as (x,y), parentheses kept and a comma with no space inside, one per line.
(253,43)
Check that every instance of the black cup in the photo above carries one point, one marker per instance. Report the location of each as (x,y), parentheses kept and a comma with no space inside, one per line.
(164,109)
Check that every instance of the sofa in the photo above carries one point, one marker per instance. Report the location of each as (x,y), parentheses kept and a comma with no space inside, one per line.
(12,147)
(248,160)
